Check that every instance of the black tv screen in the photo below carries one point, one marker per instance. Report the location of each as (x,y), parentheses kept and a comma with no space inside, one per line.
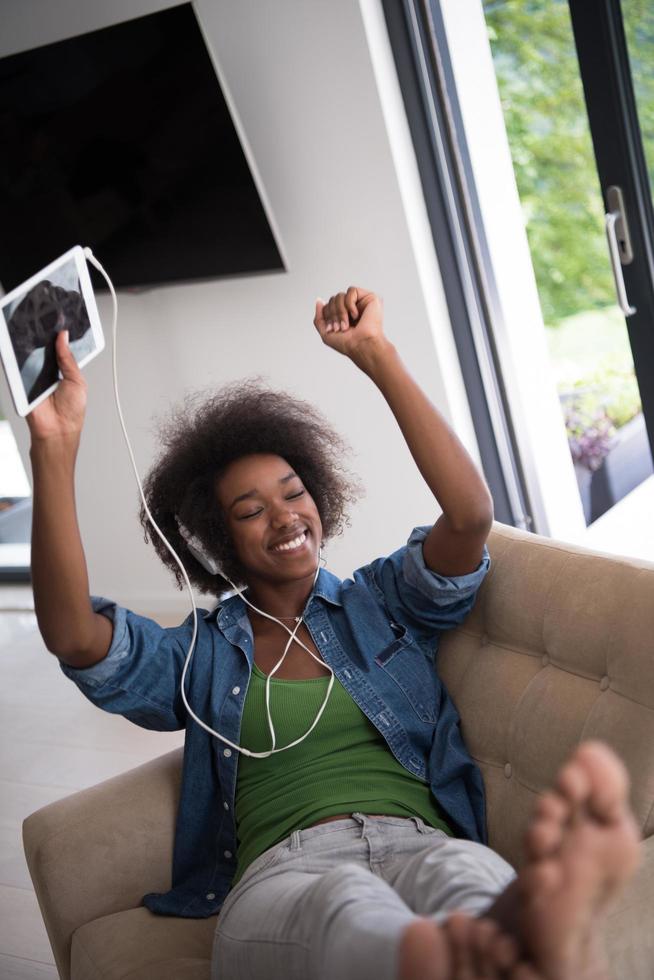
(121,139)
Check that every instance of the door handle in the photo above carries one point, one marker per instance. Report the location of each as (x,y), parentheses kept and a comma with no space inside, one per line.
(615,224)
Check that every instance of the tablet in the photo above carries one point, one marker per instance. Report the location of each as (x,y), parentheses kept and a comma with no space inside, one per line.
(59,297)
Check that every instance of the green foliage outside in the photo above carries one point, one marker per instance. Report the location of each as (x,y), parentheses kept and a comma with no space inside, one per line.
(547,126)
(638,16)
(545,115)
(544,112)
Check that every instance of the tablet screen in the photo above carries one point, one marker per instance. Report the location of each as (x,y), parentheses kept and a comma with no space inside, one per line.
(36,316)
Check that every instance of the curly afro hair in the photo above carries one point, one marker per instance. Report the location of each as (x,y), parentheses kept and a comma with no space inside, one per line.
(202,437)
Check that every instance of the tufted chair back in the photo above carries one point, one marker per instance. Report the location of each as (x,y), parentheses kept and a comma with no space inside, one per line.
(558,648)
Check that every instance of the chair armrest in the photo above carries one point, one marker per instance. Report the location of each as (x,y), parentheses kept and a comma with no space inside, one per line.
(629,934)
(100,850)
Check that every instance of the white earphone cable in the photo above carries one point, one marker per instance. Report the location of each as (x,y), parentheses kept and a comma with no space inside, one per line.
(255,755)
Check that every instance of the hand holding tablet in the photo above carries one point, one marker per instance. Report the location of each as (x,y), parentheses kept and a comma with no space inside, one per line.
(58,298)
(63,413)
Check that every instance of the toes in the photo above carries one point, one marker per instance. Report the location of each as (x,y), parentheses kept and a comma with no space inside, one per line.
(573,782)
(503,951)
(545,832)
(552,806)
(483,932)
(458,929)
(424,942)
(608,778)
(480,951)
(595,776)
(543,837)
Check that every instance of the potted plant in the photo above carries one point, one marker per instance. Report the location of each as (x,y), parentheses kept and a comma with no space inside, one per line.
(607,436)
(591,436)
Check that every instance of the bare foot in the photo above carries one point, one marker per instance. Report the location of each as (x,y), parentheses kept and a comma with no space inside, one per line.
(582,846)
(463,948)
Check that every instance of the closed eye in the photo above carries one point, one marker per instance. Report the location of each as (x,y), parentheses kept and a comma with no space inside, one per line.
(291,496)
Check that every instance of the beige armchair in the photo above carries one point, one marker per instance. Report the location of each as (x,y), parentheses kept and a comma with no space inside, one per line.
(559,648)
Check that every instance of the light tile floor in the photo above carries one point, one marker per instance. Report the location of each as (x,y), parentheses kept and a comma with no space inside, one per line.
(52,743)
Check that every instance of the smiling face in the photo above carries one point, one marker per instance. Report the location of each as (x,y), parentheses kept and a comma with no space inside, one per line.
(272,519)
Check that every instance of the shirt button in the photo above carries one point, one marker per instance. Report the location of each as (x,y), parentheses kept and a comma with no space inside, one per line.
(236,690)
(210,896)
(226,805)
(227,753)
(227,854)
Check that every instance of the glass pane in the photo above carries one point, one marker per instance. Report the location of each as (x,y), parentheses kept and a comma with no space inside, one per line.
(590,356)
(638,17)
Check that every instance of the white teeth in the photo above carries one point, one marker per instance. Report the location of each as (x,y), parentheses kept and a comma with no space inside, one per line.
(292,545)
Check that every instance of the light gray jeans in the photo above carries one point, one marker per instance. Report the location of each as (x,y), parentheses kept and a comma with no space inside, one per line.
(331,902)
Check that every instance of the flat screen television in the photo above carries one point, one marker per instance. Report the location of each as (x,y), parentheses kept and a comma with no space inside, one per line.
(121,139)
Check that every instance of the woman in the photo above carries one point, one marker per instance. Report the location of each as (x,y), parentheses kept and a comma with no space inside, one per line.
(343,852)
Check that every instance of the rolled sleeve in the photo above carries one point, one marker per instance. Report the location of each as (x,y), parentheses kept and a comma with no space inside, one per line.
(140,676)
(98,673)
(419,597)
(441,589)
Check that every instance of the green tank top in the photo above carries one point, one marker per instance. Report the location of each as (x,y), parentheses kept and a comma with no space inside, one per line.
(343,766)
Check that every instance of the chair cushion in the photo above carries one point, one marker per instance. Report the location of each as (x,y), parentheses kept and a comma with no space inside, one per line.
(557,649)
(138,945)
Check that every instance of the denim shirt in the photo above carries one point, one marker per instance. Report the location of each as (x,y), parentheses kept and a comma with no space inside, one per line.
(378,631)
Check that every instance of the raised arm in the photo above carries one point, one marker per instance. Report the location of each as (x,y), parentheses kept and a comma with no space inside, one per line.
(69,626)
(351,323)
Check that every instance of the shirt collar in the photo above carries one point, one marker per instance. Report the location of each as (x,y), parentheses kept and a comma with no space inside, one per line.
(231,609)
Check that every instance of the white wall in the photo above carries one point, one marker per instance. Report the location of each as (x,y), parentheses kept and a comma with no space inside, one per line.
(318,105)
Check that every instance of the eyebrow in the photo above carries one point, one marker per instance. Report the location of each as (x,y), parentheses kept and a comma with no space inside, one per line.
(253,493)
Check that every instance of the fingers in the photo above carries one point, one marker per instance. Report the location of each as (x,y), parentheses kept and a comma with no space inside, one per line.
(337,317)
(351,302)
(339,313)
(319,319)
(321,322)
(66,359)
(325,318)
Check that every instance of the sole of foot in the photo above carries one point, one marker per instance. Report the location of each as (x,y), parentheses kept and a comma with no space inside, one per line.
(582,847)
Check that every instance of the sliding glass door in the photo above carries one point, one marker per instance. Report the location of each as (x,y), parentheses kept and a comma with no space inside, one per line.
(615,49)
(579,141)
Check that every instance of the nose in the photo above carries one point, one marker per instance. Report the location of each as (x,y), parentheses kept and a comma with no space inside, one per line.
(283,516)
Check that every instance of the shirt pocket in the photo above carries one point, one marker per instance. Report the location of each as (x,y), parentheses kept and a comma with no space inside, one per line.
(404,661)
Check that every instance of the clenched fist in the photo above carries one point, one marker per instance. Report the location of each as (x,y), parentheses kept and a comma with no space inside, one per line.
(351,322)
